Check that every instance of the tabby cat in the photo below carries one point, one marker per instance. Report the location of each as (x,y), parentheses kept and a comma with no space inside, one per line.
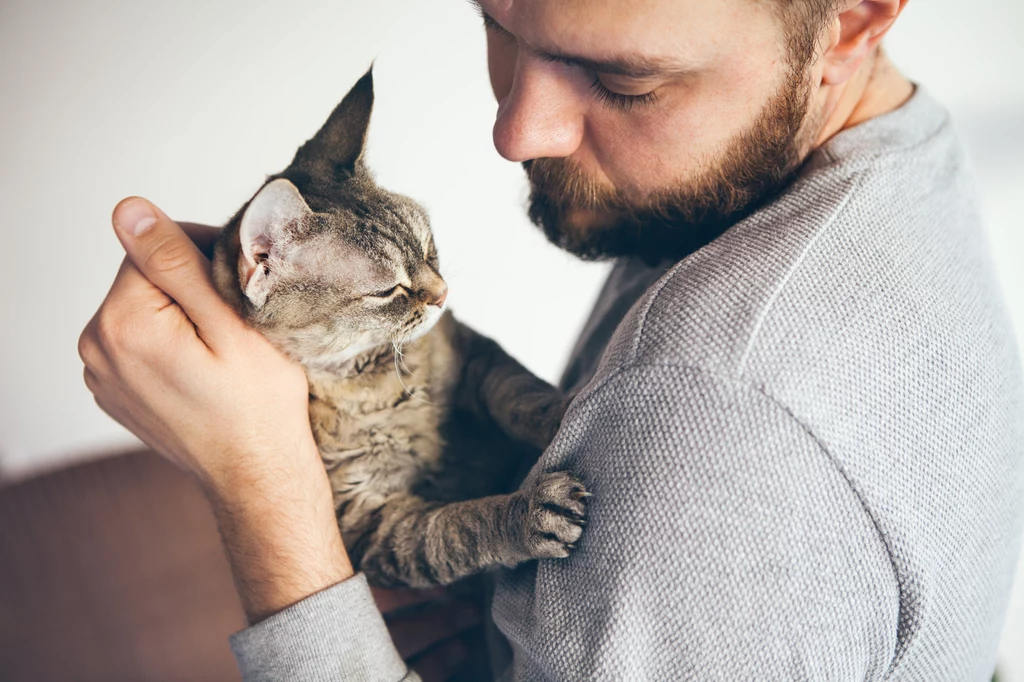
(421,422)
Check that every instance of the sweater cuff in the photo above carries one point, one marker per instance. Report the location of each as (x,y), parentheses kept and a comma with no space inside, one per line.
(335,634)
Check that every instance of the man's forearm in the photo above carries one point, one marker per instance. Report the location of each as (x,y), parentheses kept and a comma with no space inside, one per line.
(285,551)
(280,533)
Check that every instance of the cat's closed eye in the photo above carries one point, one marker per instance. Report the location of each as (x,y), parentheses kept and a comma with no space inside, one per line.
(388,293)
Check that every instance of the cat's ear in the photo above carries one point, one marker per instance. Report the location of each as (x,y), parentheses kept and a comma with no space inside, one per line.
(272,217)
(335,151)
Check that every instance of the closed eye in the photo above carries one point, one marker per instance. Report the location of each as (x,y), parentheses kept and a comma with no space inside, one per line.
(618,100)
(386,294)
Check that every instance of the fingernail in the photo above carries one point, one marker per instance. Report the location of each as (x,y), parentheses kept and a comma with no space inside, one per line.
(135,217)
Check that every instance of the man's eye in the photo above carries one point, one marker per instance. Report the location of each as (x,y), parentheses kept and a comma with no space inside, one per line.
(619,101)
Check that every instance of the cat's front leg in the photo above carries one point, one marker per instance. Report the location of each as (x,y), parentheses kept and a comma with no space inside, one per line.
(496,385)
(419,543)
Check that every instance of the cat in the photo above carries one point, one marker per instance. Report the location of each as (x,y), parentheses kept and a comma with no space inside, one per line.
(422,423)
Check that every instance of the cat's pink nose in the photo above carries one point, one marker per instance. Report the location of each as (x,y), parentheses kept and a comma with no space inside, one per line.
(439,301)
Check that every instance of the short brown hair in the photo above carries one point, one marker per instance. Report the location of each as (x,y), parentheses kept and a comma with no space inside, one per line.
(802,22)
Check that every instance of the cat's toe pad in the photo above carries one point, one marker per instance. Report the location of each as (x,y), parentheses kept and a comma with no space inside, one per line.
(557,515)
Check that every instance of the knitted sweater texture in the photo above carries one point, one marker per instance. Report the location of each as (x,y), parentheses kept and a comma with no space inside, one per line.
(805,443)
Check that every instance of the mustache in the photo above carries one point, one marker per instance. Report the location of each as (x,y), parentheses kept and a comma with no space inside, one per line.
(559,187)
(563,181)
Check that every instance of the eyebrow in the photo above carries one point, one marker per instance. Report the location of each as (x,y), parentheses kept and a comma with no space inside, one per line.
(632,66)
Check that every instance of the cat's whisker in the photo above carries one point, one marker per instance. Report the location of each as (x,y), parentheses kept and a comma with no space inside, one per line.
(400,354)
(398,373)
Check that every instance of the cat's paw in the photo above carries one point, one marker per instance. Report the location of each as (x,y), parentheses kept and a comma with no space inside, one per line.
(556,515)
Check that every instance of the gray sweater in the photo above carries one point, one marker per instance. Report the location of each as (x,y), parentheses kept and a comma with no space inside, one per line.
(805,446)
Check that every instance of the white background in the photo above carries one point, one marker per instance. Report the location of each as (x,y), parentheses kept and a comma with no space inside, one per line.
(191,103)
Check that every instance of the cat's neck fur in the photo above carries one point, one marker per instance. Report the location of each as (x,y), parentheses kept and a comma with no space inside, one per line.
(380,388)
(360,363)
(382,374)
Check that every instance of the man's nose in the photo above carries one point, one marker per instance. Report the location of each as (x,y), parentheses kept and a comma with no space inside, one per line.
(540,117)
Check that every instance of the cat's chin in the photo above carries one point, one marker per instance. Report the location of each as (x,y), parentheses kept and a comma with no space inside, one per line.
(336,359)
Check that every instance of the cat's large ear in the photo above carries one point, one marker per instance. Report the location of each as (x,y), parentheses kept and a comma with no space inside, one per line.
(335,151)
(271,219)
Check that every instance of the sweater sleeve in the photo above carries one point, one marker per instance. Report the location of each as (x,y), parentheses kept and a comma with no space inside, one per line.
(337,634)
(724,542)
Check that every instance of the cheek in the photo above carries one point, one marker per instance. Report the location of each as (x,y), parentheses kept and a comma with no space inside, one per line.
(641,152)
(384,319)
(688,130)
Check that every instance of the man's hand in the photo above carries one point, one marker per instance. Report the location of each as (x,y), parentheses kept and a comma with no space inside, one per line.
(171,361)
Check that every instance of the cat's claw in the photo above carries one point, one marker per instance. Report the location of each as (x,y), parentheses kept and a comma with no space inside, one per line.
(556,515)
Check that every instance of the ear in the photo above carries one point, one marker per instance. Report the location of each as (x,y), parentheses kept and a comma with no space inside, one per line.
(335,151)
(854,34)
(270,221)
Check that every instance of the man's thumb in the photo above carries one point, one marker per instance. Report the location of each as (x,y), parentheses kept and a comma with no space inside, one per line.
(169,259)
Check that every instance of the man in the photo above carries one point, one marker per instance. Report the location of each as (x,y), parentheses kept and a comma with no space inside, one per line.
(799,396)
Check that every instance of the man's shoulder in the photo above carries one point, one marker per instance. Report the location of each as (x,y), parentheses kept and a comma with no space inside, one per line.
(708,310)
(842,234)
(863,307)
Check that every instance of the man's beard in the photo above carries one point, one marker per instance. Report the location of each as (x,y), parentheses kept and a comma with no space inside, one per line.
(595,222)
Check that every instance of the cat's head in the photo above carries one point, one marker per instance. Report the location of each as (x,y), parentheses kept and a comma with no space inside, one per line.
(325,263)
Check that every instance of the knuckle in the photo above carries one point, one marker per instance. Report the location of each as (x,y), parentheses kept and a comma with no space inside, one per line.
(170,255)
(120,339)
(87,349)
(103,405)
(91,382)
(109,330)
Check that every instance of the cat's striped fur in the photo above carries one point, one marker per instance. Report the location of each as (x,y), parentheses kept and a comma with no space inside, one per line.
(422,423)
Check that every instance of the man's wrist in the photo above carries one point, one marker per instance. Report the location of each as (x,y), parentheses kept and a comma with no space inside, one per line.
(279,530)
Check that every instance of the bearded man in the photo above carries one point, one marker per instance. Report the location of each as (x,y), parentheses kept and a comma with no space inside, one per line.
(798,396)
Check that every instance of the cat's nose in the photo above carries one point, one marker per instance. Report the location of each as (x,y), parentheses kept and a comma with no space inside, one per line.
(440,299)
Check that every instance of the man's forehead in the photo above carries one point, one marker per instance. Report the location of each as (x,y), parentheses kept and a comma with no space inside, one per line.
(664,34)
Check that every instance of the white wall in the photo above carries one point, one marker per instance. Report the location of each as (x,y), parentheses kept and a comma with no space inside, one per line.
(191,103)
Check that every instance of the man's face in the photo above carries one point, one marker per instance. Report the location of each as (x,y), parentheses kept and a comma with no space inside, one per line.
(646,126)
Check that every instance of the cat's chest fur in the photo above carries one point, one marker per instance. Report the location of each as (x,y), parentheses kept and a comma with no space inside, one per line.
(378,424)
